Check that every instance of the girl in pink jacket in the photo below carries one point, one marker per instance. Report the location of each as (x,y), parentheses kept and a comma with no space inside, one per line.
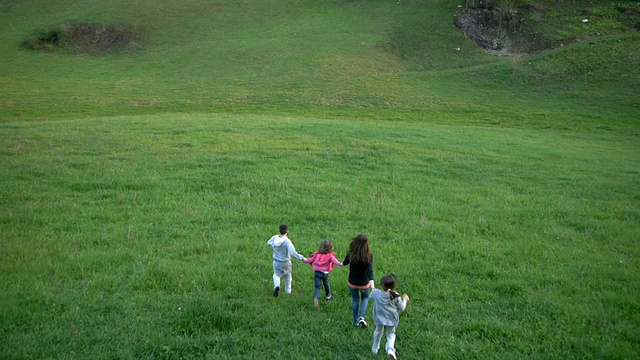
(322,262)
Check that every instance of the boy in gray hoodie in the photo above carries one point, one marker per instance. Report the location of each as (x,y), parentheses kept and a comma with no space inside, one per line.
(283,249)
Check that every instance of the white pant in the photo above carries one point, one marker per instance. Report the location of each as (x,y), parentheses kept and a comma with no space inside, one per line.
(282,269)
(391,338)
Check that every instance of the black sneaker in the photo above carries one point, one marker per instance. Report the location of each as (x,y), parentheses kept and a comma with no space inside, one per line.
(328,297)
(276,291)
(362,323)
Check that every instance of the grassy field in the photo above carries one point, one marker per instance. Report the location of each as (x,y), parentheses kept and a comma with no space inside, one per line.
(145,237)
(138,190)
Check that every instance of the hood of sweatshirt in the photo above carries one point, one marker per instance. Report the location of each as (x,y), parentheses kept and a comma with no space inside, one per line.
(324,260)
(277,240)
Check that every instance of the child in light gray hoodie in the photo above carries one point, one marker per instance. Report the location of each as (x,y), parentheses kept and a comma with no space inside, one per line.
(387,307)
(283,249)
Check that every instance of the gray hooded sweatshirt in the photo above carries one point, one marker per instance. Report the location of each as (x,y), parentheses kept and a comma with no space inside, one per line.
(386,311)
(283,248)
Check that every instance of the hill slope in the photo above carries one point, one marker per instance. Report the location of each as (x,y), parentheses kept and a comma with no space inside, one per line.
(141,235)
(384,59)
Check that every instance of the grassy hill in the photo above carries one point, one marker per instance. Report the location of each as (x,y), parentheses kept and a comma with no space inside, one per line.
(138,187)
(377,58)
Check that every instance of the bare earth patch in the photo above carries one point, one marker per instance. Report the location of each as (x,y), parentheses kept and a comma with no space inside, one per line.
(489,27)
(503,31)
(86,38)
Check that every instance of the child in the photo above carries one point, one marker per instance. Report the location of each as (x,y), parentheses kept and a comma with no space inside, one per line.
(360,261)
(283,249)
(386,309)
(322,261)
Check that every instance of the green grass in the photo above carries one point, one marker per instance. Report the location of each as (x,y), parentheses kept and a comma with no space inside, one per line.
(575,20)
(138,190)
(145,237)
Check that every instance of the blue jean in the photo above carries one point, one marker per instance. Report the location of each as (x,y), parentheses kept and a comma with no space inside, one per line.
(321,279)
(360,299)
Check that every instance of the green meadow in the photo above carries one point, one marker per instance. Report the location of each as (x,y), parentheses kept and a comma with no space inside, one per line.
(138,187)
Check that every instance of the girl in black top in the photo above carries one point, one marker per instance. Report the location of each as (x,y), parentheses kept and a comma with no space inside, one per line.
(360,261)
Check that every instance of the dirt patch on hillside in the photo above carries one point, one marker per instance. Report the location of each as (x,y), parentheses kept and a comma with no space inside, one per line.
(86,38)
(503,30)
(490,27)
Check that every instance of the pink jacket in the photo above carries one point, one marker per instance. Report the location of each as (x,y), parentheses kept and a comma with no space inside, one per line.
(323,262)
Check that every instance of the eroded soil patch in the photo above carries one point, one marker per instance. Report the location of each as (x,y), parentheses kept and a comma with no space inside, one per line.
(529,28)
(86,38)
(489,27)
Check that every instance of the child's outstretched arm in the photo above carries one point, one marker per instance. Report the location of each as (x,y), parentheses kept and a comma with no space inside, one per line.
(335,260)
(292,251)
(402,303)
(310,259)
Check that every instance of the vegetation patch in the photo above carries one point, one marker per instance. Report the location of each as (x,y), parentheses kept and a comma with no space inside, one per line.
(86,38)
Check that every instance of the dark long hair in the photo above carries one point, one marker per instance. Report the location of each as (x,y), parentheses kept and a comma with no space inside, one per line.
(359,251)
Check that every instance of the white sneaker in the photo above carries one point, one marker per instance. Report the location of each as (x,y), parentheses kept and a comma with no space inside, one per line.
(362,323)
(392,355)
